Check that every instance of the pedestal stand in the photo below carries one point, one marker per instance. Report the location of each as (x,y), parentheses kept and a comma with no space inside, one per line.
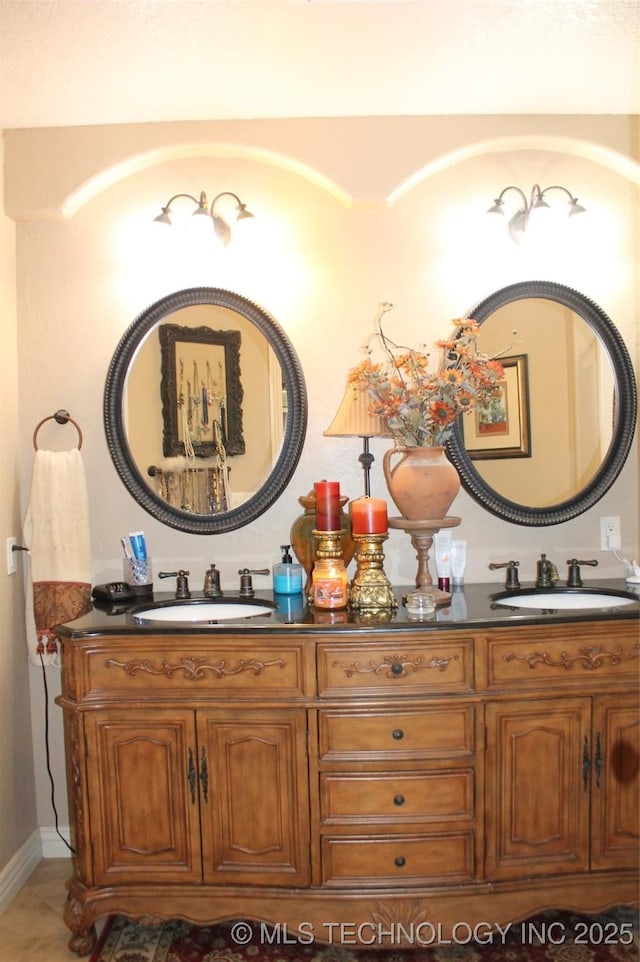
(421,534)
(370,587)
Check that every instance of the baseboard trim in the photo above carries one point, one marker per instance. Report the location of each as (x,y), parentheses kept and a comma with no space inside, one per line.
(16,872)
(52,845)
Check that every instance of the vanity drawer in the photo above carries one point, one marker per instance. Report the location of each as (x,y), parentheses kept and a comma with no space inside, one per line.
(423,797)
(562,655)
(196,668)
(411,733)
(438,665)
(397,859)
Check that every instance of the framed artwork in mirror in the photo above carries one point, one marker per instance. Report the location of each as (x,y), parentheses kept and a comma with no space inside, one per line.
(201,391)
(502,429)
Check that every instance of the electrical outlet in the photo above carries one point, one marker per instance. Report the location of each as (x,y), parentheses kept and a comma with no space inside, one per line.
(610,534)
(11,556)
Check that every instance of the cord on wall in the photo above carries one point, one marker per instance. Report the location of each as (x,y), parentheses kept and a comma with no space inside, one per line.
(48,757)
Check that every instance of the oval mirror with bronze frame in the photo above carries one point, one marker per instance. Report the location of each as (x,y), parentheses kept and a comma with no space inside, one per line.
(583,369)
(283,401)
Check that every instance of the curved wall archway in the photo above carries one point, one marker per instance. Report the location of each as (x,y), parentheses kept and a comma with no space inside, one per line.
(105,179)
(584,150)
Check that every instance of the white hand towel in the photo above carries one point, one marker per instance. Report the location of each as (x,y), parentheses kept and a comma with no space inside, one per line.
(56,531)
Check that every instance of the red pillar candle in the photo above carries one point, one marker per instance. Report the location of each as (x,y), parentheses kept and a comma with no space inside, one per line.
(327,505)
(369,516)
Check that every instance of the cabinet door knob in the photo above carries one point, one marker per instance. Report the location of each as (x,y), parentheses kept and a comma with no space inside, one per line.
(398,799)
(398,734)
(400,861)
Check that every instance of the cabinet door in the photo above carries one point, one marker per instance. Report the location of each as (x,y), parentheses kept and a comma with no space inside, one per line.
(615,782)
(537,787)
(143,804)
(254,796)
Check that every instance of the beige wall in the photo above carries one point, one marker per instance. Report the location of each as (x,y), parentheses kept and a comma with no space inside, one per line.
(17,793)
(348,213)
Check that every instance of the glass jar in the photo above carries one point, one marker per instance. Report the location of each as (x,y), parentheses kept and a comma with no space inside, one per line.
(330,584)
(421,605)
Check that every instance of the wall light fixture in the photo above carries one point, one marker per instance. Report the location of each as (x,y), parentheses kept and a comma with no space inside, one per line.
(518,222)
(220,225)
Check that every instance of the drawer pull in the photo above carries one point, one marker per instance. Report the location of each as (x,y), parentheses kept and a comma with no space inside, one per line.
(586,763)
(204,775)
(398,799)
(398,734)
(191,777)
(599,760)
(400,861)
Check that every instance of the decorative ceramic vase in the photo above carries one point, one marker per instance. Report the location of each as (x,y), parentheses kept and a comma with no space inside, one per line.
(423,483)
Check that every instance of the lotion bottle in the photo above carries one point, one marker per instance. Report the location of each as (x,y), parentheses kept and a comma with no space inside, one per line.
(458,562)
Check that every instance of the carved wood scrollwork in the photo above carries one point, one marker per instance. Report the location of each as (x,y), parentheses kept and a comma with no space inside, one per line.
(149,921)
(590,658)
(193,669)
(75,754)
(399,920)
(83,932)
(395,666)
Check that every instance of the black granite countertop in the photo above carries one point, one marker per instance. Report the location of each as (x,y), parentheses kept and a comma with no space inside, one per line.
(473,606)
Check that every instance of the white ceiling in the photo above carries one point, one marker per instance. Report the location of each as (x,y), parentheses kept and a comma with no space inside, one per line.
(78,62)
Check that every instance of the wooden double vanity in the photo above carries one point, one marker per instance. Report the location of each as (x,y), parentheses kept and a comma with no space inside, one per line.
(365,775)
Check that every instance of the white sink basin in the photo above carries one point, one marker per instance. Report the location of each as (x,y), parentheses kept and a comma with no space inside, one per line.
(565,600)
(197,610)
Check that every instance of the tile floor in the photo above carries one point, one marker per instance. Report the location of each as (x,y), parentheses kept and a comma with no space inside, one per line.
(31,928)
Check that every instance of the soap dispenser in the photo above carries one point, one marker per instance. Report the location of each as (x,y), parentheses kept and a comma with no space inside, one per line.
(287,576)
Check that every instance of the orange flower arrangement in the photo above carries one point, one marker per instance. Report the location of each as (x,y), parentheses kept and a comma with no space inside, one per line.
(418,405)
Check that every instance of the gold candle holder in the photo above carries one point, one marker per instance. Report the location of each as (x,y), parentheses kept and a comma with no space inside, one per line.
(304,543)
(370,587)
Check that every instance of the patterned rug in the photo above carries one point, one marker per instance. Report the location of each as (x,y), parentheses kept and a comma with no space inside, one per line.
(552,937)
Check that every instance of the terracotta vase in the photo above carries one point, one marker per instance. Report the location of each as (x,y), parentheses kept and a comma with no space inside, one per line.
(422,484)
